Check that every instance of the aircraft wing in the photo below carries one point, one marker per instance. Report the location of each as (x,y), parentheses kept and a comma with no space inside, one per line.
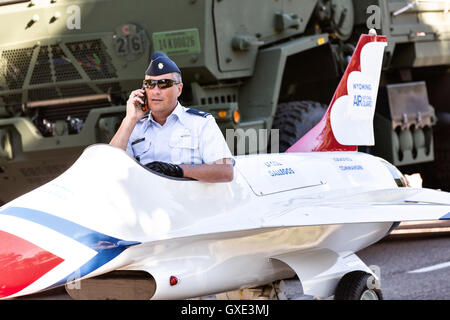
(383,205)
(402,204)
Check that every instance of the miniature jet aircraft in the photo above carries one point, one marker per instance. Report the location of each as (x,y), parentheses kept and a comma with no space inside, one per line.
(109,223)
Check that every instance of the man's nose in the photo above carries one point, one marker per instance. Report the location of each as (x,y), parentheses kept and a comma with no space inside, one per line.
(155,91)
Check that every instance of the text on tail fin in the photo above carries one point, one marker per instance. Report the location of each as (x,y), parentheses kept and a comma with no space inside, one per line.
(348,121)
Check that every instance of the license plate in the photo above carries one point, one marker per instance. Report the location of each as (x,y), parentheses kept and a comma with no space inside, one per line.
(177,42)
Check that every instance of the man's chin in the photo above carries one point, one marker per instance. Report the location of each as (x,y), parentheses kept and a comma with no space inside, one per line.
(158,106)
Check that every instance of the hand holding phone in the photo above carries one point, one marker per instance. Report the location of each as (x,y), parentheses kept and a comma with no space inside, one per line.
(144,106)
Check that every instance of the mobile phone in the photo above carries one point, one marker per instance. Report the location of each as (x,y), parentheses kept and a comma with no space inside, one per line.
(144,106)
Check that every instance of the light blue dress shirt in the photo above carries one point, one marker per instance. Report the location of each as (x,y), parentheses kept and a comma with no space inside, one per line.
(185,138)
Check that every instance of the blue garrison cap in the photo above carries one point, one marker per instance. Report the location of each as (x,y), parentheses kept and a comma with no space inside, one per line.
(161,64)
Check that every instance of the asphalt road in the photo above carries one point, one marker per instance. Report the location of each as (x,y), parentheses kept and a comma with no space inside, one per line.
(412,269)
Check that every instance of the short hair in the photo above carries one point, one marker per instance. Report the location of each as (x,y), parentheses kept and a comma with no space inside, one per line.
(177,77)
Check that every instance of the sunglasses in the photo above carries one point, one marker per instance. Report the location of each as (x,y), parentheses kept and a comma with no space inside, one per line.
(162,84)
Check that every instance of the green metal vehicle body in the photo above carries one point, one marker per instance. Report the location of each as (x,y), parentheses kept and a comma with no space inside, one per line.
(67,68)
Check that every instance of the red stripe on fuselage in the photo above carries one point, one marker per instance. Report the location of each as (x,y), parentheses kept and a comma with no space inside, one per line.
(22,263)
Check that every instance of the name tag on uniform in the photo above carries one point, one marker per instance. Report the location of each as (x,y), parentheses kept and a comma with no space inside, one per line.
(137,141)
(184,139)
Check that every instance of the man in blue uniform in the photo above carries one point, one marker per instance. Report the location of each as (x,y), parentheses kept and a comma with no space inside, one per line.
(172,139)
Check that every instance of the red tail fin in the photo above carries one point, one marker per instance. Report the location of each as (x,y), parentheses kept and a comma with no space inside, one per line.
(348,121)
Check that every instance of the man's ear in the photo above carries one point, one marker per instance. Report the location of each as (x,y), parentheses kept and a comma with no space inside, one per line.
(180,89)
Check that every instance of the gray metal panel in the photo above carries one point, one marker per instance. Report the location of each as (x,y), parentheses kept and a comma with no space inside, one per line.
(260,94)
(409,103)
(257,22)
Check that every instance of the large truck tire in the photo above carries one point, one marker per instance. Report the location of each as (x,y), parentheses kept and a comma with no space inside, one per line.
(294,119)
(436,174)
(439,172)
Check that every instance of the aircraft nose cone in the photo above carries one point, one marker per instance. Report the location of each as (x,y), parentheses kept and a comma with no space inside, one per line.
(22,263)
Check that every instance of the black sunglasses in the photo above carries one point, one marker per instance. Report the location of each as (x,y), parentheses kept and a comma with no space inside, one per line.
(162,84)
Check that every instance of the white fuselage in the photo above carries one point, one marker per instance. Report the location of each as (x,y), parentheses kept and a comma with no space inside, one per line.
(215,236)
(225,241)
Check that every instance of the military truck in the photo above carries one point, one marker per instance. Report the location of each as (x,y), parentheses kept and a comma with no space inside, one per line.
(265,69)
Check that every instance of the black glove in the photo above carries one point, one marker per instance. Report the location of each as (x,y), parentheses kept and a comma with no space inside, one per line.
(168,169)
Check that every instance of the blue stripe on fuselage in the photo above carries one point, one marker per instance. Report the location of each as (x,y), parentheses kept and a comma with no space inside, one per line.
(107,247)
(446,217)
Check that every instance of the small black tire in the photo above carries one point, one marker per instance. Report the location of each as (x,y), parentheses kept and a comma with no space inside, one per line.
(354,286)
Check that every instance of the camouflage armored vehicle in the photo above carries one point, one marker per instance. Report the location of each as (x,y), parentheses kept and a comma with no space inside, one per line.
(67,68)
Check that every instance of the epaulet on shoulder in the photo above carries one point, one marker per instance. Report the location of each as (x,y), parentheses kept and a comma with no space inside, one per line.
(196,112)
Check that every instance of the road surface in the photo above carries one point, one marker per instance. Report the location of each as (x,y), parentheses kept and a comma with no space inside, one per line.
(412,269)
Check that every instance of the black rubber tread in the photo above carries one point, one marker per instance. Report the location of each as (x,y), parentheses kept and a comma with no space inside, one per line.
(436,174)
(441,172)
(294,119)
(352,285)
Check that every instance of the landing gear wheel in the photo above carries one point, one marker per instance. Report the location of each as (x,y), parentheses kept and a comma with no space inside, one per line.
(294,119)
(354,286)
